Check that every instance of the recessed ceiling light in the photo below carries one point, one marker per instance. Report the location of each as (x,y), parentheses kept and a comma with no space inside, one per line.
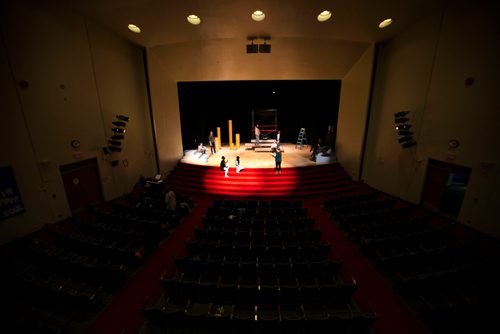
(194,19)
(324,16)
(385,23)
(258,15)
(134,28)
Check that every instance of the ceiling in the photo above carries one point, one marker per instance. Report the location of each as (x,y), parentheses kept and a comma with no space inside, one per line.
(163,22)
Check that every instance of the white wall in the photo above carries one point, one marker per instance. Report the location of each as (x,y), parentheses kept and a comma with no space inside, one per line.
(227,60)
(79,77)
(424,70)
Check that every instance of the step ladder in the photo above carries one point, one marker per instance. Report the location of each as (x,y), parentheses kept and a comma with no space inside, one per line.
(302,139)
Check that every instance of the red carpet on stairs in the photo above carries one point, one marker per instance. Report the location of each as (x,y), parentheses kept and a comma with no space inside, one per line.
(313,185)
(261,182)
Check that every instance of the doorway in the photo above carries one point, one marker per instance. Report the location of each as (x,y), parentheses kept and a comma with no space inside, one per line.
(82,184)
(444,187)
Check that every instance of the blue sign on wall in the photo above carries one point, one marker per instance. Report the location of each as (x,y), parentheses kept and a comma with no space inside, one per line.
(11,203)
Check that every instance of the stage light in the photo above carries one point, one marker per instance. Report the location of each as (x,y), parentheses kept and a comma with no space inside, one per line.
(115,149)
(404,139)
(403,127)
(115,143)
(120,124)
(407,145)
(123,118)
(405,133)
(118,130)
(117,137)
(401,120)
(401,114)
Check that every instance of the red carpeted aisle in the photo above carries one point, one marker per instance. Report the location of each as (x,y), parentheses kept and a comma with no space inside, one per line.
(374,292)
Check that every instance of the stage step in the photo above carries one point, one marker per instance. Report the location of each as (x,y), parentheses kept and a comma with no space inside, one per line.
(262,182)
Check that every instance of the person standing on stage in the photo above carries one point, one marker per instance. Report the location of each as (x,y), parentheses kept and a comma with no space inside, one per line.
(211,141)
(257,135)
(278,136)
(223,166)
(277,160)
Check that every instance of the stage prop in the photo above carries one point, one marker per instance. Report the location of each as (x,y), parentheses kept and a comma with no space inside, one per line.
(218,139)
(230,126)
(267,119)
(237,141)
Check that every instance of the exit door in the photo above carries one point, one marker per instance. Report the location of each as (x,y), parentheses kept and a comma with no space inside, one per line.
(82,184)
(444,188)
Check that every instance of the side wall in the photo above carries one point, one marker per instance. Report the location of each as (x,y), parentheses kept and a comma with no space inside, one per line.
(79,77)
(354,103)
(424,70)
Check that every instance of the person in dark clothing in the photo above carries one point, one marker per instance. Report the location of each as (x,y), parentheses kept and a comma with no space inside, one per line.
(211,141)
(223,166)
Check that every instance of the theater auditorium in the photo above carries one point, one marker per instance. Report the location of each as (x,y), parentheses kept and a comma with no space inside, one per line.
(249,166)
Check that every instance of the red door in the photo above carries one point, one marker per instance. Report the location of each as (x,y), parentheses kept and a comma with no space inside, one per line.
(82,184)
(435,185)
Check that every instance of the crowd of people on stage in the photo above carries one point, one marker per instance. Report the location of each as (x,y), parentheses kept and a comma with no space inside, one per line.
(323,148)
(319,148)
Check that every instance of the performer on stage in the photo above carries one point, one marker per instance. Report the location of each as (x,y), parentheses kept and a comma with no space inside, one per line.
(277,159)
(257,135)
(211,141)
(202,149)
(237,164)
(223,166)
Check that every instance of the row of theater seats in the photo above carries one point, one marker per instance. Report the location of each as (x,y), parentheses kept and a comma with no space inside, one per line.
(52,254)
(449,281)
(255,213)
(306,247)
(260,280)
(257,223)
(257,204)
(57,279)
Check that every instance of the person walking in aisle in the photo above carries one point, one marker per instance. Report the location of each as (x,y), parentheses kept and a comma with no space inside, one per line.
(277,160)
(223,166)
(211,141)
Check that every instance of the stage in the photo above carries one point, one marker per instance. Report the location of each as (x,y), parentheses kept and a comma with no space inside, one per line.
(292,157)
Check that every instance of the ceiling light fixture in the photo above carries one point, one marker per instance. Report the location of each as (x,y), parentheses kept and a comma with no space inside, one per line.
(324,16)
(385,23)
(258,15)
(193,19)
(134,28)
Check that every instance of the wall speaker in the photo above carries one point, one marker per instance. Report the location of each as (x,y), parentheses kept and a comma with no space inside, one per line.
(252,48)
(264,48)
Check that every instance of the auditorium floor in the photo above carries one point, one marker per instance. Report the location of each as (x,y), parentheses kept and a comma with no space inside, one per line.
(292,157)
